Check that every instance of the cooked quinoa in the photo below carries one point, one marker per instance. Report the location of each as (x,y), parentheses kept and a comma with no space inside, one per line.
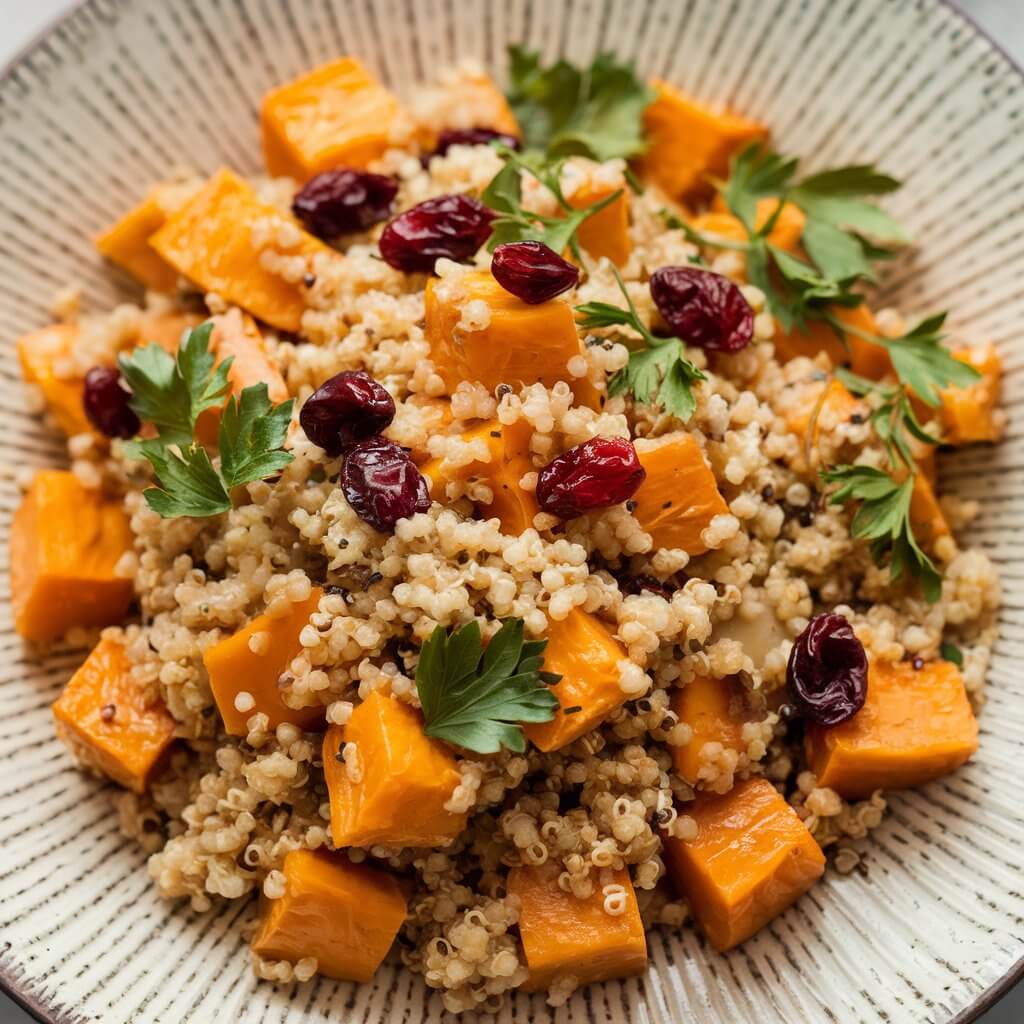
(221,813)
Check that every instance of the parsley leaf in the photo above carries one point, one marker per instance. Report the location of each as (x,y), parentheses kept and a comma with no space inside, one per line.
(884,519)
(950,652)
(477,698)
(564,110)
(659,373)
(171,393)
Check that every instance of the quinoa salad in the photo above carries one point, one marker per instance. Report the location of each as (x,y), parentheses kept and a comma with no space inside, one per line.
(505,527)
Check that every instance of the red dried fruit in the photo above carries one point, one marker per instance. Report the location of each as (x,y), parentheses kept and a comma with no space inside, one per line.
(828,671)
(601,472)
(105,401)
(472,137)
(342,200)
(532,271)
(453,226)
(703,309)
(349,406)
(381,483)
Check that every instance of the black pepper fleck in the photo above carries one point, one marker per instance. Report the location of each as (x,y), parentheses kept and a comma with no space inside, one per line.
(630,506)
(668,504)
(573,710)
(340,757)
(502,390)
(768,492)
(374,577)
(918,664)
(806,517)
(495,433)
(856,417)
(309,280)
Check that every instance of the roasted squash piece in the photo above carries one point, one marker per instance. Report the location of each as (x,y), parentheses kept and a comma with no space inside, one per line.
(522,344)
(509,449)
(126,242)
(104,717)
(863,357)
(785,233)
(336,114)
(687,142)
(916,725)
(405,779)
(209,241)
(564,935)
(925,513)
(824,410)
(345,915)
(751,859)
(707,706)
(65,543)
(238,675)
(605,233)
(39,353)
(679,497)
(967,413)
(583,651)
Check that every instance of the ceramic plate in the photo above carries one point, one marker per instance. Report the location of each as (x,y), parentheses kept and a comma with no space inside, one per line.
(121,90)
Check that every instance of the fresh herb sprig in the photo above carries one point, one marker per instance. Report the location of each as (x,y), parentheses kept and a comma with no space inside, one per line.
(883,518)
(171,393)
(659,373)
(516,224)
(477,698)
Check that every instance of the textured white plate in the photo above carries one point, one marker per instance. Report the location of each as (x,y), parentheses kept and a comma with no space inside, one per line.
(122,90)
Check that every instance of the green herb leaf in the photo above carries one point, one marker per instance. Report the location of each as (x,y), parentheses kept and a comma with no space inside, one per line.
(564,110)
(189,485)
(477,699)
(950,652)
(756,172)
(252,432)
(884,519)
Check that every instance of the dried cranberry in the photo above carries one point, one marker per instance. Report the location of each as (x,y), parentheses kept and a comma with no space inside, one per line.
(601,472)
(454,226)
(702,308)
(828,671)
(105,401)
(472,137)
(381,482)
(340,201)
(345,408)
(532,271)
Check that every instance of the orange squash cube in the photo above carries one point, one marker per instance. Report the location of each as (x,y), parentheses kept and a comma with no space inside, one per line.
(863,357)
(65,543)
(346,915)
(509,449)
(605,233)
(709,707)
(406,779)
(236,669)
(826,408)
(751,859)
(584,652)
(104,717)
(336,114)
(785,233)
(39,353)
(925,513)
(564,935)
(209,241)
(967,414)
(688,143)
(916,725)
(126,242)
(522,344)
(679,497)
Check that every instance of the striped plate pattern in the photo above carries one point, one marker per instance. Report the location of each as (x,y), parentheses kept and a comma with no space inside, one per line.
(121,90)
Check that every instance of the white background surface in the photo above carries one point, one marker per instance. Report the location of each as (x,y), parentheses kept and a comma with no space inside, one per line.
(1003,20)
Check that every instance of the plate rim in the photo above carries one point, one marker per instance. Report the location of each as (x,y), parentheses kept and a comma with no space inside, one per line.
(41,1010)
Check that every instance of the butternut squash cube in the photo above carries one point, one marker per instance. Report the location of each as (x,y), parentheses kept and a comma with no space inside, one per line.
(583,651)
(916,725)
(522,344)
(126,242)
(405,779)
(969,414)
(509,449)
(346,915)
(40,354)
(709,707)
(679,497)
(751,859)
(863,357)
(605,233)
(785,233)
(926,515)
(209,241)
(336,114)
(564,935)
(825,409)
(687,143)
(103,715)
(238,674)
(65,543)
